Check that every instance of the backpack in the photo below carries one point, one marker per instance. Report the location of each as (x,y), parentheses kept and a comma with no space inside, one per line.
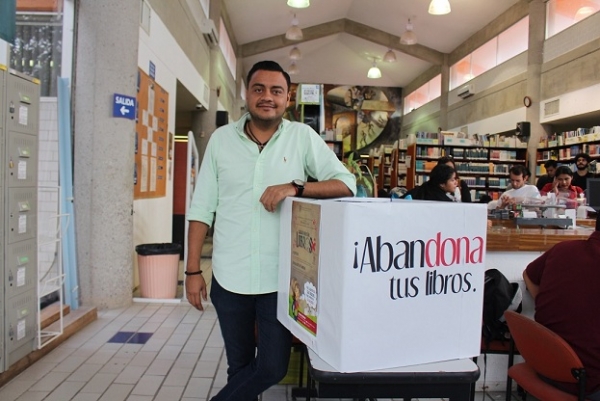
(499,295)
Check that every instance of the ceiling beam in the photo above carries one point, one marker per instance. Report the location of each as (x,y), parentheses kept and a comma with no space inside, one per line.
(279,41)
(344,26)
(393,42)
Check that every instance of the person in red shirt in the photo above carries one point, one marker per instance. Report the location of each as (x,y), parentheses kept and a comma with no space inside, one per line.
(562,186)
(564,283)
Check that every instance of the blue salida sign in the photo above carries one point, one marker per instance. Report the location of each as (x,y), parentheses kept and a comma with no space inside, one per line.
(124,106)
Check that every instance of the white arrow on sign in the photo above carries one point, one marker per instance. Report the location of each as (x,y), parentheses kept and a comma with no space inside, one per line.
(124,110)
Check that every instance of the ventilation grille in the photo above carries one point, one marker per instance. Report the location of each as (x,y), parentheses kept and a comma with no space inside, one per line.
(551,108)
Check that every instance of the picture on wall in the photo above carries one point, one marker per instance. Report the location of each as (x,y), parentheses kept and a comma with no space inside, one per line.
(366,116)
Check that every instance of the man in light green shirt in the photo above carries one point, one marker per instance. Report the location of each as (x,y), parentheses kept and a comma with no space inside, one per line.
(249,167)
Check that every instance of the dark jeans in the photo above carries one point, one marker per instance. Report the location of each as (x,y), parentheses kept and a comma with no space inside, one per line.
(254,364)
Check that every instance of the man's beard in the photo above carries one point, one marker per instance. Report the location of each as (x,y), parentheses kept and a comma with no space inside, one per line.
(582,168)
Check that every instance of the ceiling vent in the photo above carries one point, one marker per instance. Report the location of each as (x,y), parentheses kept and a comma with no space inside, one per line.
(552,107)
(465,92)
(207,26)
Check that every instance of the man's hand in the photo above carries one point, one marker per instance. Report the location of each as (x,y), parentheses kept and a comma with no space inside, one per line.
(275,194)
(195,288)
(506,201)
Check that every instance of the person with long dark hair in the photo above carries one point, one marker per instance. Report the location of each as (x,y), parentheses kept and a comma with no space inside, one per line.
(442,181)
(462,192)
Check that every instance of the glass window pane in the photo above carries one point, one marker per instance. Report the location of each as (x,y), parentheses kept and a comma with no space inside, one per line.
(513,41)
(484,58)
(435,87)
(460,72)
(561,14)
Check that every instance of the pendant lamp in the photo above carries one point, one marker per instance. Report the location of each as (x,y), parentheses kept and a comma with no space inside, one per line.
(408,37)
(295,54)
(439,7)
(374,71)
(294,32)
(390,56)
(293,69)
(298,3)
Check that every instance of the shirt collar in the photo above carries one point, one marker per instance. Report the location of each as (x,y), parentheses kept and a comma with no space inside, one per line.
(239,126)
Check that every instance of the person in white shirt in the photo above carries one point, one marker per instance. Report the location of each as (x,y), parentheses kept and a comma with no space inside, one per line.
(520,189)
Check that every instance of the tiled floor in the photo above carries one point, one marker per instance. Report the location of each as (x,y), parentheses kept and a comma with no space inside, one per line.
(148,351)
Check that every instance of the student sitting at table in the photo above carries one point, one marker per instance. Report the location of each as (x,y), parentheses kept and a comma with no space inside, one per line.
(462,192)
(564,285)
(518,176)
(561,186)
(441,183)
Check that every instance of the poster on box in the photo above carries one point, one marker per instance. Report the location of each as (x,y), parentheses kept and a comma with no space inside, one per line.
(398,283)
(303,305)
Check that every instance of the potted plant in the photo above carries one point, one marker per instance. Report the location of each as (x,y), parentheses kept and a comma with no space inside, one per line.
(364,178)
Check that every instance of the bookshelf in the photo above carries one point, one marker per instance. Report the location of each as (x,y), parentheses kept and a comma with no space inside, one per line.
(482,161)
(563,146)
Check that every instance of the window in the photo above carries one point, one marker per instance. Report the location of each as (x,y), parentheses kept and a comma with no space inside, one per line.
(503,47)
(561,14)
(424,94)
(227,48)
(37,51)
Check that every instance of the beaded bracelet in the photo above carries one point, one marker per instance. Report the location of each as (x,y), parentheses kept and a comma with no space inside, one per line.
(192,273)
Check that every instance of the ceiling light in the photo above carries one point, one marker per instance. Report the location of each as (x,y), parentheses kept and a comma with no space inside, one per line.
(298,3)
(374,71)
(294,32)
(439,7)
(293,69)
(390,56)
(295,53)
(408,37)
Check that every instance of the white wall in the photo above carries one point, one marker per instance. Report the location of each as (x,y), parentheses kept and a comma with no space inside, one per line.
(572,104)
(152,218)
(500,123)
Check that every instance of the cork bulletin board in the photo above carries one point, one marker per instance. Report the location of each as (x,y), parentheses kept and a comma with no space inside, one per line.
(151,139)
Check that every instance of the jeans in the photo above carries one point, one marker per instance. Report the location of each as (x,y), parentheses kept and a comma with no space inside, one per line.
(254,364)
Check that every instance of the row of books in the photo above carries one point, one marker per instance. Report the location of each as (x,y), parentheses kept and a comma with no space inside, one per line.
(503,155)
(569,137)
(570,152)
(461,139)
(494,183)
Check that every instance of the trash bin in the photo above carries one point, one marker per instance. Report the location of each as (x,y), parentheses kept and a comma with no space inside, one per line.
(158,266)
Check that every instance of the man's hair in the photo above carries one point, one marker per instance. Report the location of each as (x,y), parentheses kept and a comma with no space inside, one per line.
(584,156)
(268,65)
(445,160)
(519,169)
(440,174)
(550,163)
(563,170)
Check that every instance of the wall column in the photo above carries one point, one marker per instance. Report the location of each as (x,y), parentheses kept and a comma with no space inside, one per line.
(106,62)
(537,34)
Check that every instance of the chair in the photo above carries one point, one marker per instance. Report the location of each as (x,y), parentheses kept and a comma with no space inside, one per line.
(546,354)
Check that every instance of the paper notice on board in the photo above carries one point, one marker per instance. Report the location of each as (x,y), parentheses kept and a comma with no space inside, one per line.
(303,303)
(144,178)
(153,168)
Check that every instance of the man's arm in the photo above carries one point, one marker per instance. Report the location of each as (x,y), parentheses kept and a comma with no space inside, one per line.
(534,289)
(274,194)
(195,286)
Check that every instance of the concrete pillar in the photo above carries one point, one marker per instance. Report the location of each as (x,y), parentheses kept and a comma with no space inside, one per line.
(204,123)
(106,60)
(537,32)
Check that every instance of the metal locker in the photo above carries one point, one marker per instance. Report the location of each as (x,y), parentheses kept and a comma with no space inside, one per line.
(20,265)
(21,214)
(23,104)
(20,326)
(21,160)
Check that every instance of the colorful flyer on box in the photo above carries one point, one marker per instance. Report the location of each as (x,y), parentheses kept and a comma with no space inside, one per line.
(305,265)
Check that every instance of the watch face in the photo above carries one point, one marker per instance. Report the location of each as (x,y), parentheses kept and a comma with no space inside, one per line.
(299,183)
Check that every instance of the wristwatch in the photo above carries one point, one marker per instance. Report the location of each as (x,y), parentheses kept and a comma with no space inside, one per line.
(299,185)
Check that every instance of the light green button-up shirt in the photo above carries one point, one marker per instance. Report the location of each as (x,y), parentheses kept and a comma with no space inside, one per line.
(232,178)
